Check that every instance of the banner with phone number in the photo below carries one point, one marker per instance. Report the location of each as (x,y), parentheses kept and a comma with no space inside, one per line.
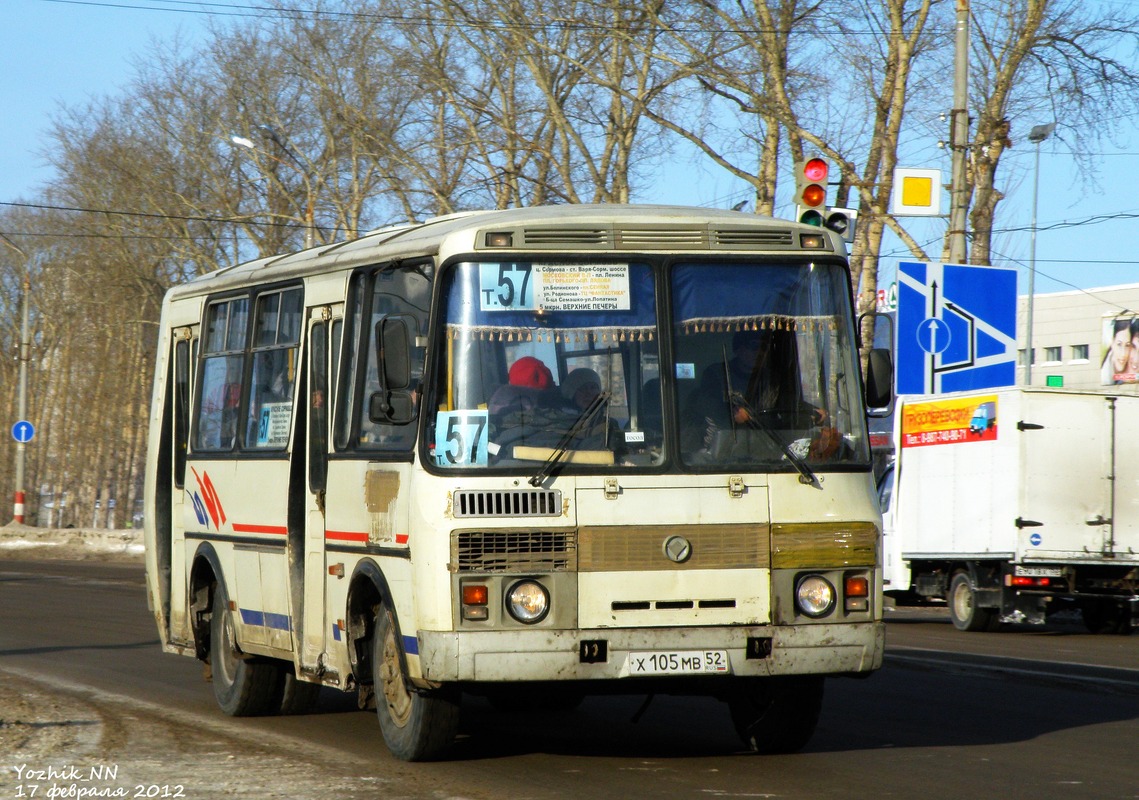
(955,421)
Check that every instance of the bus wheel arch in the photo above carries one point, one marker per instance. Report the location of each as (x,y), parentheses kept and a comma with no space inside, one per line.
(204,576)
(367,591)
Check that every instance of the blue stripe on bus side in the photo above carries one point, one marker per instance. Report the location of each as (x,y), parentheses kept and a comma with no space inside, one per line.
(266,619)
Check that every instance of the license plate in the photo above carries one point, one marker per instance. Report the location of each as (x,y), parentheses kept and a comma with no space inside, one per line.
(678,662)
(1040,572)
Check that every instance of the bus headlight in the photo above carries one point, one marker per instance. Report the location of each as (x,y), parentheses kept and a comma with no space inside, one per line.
(814,595)
(528,602)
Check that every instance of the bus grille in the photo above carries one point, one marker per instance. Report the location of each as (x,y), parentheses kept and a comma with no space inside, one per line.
(513,551)
(658,237)
(469,503)
(726,237)
(564,237)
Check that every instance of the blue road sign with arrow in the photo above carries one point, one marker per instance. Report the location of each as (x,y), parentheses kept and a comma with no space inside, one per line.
(956,327)
(23,431)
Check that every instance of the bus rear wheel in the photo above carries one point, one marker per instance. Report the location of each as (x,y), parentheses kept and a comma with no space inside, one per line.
(777,715)
(244,686)
(417,725)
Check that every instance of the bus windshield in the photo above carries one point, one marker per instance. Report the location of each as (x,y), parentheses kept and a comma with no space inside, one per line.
(541,359)
(765,366)
(560,363)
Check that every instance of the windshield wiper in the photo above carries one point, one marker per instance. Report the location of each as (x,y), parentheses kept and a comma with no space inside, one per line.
(583,421)
(759,422)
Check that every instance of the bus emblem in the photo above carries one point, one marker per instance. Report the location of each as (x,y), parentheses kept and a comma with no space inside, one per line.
(677,549)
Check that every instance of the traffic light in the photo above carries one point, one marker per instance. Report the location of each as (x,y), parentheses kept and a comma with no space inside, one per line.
(811,191)
(841,221)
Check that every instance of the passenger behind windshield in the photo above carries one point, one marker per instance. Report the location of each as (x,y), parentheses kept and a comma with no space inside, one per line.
(531,411)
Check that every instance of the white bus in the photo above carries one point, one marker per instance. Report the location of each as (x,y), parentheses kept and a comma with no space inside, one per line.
(530,454)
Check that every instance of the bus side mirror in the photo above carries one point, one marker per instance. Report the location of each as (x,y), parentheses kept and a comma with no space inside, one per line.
(879,379)
(393,403)
(876,328)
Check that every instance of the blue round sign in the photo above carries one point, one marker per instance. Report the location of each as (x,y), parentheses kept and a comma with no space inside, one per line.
(23,431)
(1036,539)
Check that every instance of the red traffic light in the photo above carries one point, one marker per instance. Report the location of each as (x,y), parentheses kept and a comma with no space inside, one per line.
(815,170)
(811,185)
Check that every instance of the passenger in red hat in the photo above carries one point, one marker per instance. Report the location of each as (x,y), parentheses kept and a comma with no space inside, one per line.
(531,373)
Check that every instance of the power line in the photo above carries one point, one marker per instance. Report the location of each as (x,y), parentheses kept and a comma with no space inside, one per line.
(272,12)
(146,215)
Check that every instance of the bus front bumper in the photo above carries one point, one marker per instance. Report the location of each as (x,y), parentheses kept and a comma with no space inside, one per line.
(619,653)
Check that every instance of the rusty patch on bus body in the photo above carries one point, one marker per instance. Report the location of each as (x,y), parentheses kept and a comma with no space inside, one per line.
(380,490)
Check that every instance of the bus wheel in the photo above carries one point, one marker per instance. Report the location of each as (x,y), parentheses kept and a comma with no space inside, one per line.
(299,696)
(243,686)
(777,715)
(963,609)
(417,725)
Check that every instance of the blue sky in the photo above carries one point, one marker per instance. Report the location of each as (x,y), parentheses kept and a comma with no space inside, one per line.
(55,53)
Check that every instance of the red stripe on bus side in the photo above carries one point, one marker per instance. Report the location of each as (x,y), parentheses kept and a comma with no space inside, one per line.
(274,529)
(346,536)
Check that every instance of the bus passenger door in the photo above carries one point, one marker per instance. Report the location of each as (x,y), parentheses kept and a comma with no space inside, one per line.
(185,347)
(312,611)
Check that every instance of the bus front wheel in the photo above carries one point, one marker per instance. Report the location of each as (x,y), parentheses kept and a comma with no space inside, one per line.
(243,686)
(417,725)
(779,714)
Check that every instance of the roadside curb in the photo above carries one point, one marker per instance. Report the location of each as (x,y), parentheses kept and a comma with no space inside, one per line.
(1115,680)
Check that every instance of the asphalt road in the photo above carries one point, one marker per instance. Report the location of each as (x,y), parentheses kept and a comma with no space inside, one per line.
(1033,713)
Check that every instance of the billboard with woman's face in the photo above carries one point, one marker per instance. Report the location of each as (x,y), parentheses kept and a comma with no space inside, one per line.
(1121,351)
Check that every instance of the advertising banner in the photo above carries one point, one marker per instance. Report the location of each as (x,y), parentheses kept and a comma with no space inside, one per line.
(955,421)
(1120,351)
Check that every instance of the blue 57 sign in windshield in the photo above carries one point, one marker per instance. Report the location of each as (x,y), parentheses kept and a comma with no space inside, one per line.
(553,287)
(956,327)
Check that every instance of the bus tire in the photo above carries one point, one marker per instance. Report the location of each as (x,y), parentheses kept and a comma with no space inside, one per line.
(299,697)
(243,686)
(964,612)
(777,715)
(417,725)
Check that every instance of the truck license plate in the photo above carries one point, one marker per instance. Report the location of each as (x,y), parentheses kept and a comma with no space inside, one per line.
(678,662)
(1040,572)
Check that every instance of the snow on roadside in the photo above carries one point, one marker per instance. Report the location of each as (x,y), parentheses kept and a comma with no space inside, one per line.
(23,541)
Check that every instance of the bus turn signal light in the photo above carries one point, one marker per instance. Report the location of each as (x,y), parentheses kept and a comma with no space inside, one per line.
(475,595)
(475,599)
(857,589)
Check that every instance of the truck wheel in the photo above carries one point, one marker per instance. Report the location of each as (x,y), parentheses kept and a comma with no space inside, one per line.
(417,725)
(777,715)
(244,686)
(963,609)
(1105,616)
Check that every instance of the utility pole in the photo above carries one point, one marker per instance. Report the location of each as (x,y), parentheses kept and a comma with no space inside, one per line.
(18,505)
(959,137)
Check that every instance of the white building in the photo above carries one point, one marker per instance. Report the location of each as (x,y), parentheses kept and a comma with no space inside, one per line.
(1073,334)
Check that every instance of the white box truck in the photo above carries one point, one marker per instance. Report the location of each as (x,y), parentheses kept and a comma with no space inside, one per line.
(1013,504)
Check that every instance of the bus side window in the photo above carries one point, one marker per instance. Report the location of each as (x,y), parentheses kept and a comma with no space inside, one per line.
(318,407)
(221,368)
(181,409)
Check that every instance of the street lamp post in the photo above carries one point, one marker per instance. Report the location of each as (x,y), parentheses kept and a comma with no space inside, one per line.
(273,136)
(1037,135)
